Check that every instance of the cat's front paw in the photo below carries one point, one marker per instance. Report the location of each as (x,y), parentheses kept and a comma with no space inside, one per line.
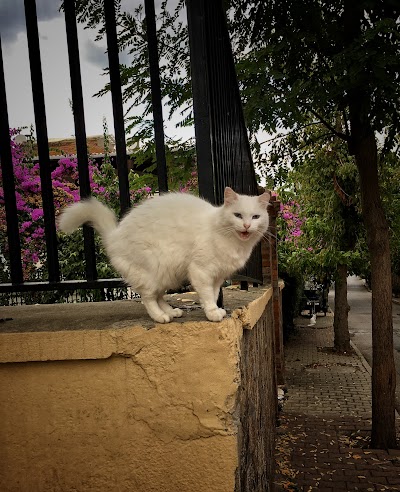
(162,318)
(215,314)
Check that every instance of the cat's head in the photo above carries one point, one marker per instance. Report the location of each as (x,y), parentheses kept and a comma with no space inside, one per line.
(246,216)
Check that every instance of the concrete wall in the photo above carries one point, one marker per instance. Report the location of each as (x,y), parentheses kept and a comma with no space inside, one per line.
(139,409)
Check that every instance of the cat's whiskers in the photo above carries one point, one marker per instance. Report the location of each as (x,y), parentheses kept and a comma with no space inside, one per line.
(274,236)
(225,229)
(266,234)
(266,237)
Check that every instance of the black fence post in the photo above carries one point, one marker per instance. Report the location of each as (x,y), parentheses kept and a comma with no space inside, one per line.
(10,201)
(156,95)
(201,104)
(222,145)
(80,130)
(42,139)
(118,110)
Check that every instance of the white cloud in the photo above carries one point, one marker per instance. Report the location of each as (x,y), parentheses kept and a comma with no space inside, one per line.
(12,16)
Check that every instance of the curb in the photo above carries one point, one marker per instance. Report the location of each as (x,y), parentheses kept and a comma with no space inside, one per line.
(364,361)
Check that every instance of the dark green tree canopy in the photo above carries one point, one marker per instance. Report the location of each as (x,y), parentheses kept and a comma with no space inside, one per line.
(307,58)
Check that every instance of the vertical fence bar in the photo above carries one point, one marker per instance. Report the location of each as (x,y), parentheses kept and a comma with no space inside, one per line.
(80,130)
(118,111)
(10,202)
(42,139)
(201,106)
(223,151)
(156,95)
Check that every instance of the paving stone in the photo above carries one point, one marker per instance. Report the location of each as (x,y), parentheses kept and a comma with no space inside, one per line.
(323,440)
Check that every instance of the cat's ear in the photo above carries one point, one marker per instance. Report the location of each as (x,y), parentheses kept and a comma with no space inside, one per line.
(229,196)
(265,198)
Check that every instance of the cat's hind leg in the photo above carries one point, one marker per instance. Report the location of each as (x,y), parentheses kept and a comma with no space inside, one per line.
(154,310)
(169,310)
(139,280)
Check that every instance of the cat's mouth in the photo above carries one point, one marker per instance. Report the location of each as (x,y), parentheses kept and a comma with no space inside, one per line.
(244,235)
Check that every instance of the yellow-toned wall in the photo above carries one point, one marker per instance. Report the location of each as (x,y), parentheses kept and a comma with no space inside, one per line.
(128,409)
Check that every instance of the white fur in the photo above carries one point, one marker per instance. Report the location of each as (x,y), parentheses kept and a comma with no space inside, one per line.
(174,238)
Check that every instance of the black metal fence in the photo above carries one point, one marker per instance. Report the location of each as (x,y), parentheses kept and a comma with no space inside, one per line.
(223,153)
(222,145)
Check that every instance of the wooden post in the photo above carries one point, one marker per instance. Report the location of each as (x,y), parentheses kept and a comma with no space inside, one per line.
(276,297)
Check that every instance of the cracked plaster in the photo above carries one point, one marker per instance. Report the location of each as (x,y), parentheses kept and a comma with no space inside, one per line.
(126,407)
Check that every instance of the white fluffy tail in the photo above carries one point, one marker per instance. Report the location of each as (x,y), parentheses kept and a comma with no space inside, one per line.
(89,211)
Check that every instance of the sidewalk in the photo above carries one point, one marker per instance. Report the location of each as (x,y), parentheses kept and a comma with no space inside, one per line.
(323,439)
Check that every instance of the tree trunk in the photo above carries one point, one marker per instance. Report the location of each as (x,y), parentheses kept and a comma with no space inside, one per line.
(362,145)
(341,310)
(383,368)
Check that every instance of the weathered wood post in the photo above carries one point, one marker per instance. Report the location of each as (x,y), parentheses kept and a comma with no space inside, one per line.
(271,276)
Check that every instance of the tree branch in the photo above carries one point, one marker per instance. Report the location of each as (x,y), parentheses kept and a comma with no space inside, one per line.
(277,137)
(315,140)
(341,135)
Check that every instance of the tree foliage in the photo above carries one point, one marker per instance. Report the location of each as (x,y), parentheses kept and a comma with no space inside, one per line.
(297,63)
(316,59)
(174,63)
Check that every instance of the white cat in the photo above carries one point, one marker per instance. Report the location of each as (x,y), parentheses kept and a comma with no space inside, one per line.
(173,238)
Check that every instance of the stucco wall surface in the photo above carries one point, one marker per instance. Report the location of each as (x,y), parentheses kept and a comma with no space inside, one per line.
(123,409)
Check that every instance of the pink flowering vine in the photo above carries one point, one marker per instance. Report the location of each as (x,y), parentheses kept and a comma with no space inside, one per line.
(65,181)
(191,184)
(291,214)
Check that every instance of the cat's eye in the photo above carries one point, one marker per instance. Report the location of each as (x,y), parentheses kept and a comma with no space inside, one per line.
(256,217)
(239,216)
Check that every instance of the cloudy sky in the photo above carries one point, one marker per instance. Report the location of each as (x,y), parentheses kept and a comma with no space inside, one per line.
(55,71)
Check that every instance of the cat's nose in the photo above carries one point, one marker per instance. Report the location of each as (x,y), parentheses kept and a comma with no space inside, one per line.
(246,226)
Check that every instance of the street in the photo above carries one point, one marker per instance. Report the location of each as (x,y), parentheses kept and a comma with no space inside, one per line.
(359,299)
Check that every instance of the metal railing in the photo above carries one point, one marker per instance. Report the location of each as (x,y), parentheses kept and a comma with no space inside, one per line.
(223,153)
(222,145)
